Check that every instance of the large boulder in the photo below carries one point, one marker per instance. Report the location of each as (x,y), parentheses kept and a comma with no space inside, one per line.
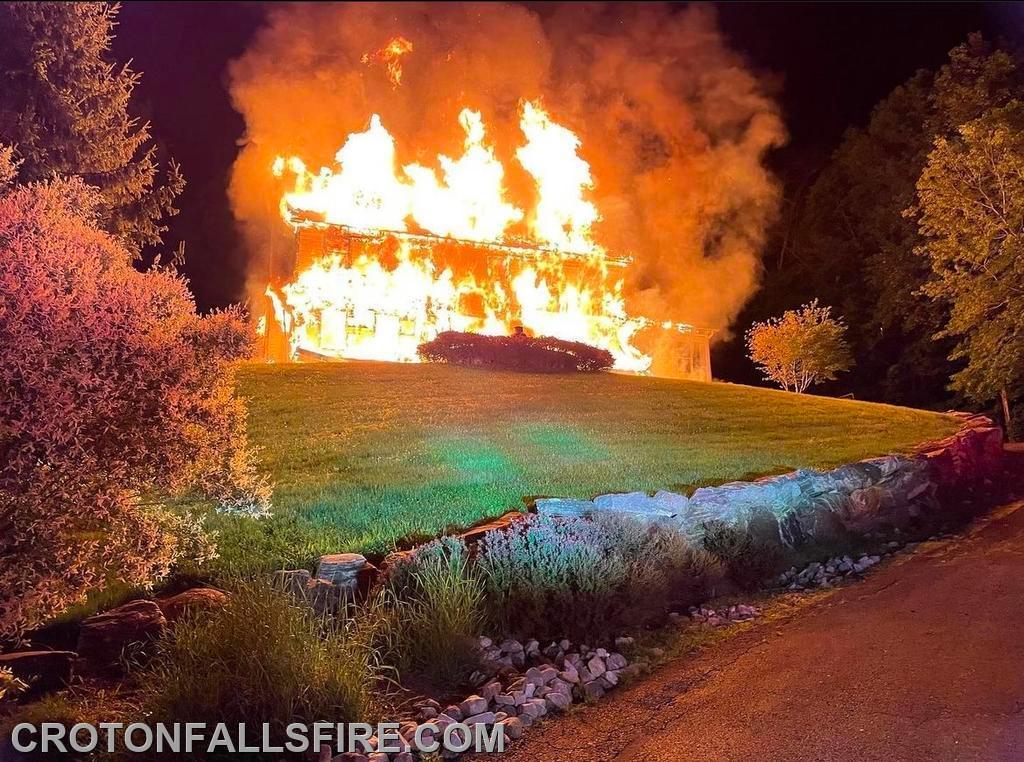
(564,507)
(108,640)
(197,599)
(638,505)
(342,569)
(42,671)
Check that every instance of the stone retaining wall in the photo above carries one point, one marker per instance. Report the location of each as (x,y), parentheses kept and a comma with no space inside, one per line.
(807,505)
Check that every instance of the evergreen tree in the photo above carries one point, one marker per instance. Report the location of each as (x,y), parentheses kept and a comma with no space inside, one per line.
(64,108)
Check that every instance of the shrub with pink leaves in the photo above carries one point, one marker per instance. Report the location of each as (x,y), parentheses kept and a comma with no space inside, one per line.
(114,392)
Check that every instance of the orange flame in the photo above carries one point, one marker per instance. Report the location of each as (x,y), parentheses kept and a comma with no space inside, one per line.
(383,287)
(391,56)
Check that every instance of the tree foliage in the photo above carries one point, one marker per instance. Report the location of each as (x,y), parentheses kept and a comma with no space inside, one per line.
(113,391)
(970,212)
(803,347)
(64,108)
(853,247)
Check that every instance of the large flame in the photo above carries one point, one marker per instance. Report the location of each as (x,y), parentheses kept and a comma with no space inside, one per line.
(376,286)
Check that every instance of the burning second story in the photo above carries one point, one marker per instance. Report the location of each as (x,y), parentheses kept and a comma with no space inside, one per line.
(385,262)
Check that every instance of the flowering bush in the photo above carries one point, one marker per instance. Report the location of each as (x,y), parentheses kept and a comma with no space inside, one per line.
(803,347)
(113,390)
(541,354)
(553,577)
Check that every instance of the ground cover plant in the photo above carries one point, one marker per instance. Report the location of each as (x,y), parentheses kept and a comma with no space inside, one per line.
(363,454)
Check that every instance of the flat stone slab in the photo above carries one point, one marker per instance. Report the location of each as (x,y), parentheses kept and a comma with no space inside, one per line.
(563,506)
(340,568)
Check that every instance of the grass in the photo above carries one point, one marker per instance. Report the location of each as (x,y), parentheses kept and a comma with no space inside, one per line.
(364,454)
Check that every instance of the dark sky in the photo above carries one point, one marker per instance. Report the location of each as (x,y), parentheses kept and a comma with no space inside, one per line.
(831,62)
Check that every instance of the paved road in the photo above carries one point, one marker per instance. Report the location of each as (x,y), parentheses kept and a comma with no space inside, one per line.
(924,660)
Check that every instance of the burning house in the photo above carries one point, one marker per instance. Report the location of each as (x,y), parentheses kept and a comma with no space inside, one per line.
(386,260)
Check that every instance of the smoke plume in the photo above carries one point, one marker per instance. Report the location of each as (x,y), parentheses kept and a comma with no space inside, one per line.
(675,127)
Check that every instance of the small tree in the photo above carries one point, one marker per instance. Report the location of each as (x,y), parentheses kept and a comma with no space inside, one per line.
(970,211)
(803,347)
(113,392)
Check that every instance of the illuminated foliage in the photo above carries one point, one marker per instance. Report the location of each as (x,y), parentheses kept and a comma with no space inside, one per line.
(113,391)
(970,212)
(803,347)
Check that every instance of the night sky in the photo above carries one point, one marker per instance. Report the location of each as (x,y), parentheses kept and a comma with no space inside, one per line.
(829,64)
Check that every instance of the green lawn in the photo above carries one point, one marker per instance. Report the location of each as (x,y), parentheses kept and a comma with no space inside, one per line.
(363,454)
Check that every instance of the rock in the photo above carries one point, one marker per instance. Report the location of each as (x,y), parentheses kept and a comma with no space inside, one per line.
(472,705)
(615,661)
(403,756)
(427,713)
(637,505)
(505,699)
(485,642)
(455,712)
(596,666)
(476,532)
(547,674)
(366,579)
(531,647)
(513,727)
(127,630)
(196,599)
(569,674)
(511,646)
(490,690)
(566,507)
(350,756)
(42,671)
(565,645)
(340,568)
(610,679)
(534,707)
(557,701)
(671,502)
(593,690)
(623,642)
(483,718)
(378,756)
(444,720)
(429,702)
(533,676)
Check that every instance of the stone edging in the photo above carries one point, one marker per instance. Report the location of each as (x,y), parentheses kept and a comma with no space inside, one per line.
(807,505)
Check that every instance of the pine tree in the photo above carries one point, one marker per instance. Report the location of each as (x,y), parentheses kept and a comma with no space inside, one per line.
(64,108)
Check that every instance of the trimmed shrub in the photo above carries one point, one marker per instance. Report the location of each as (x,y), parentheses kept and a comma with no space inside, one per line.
(557,577)
(263,658)
(541,354)
(435,603)
(113,391)
(748,562)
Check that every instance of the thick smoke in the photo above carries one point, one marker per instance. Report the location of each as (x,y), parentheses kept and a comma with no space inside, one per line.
(674,126)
